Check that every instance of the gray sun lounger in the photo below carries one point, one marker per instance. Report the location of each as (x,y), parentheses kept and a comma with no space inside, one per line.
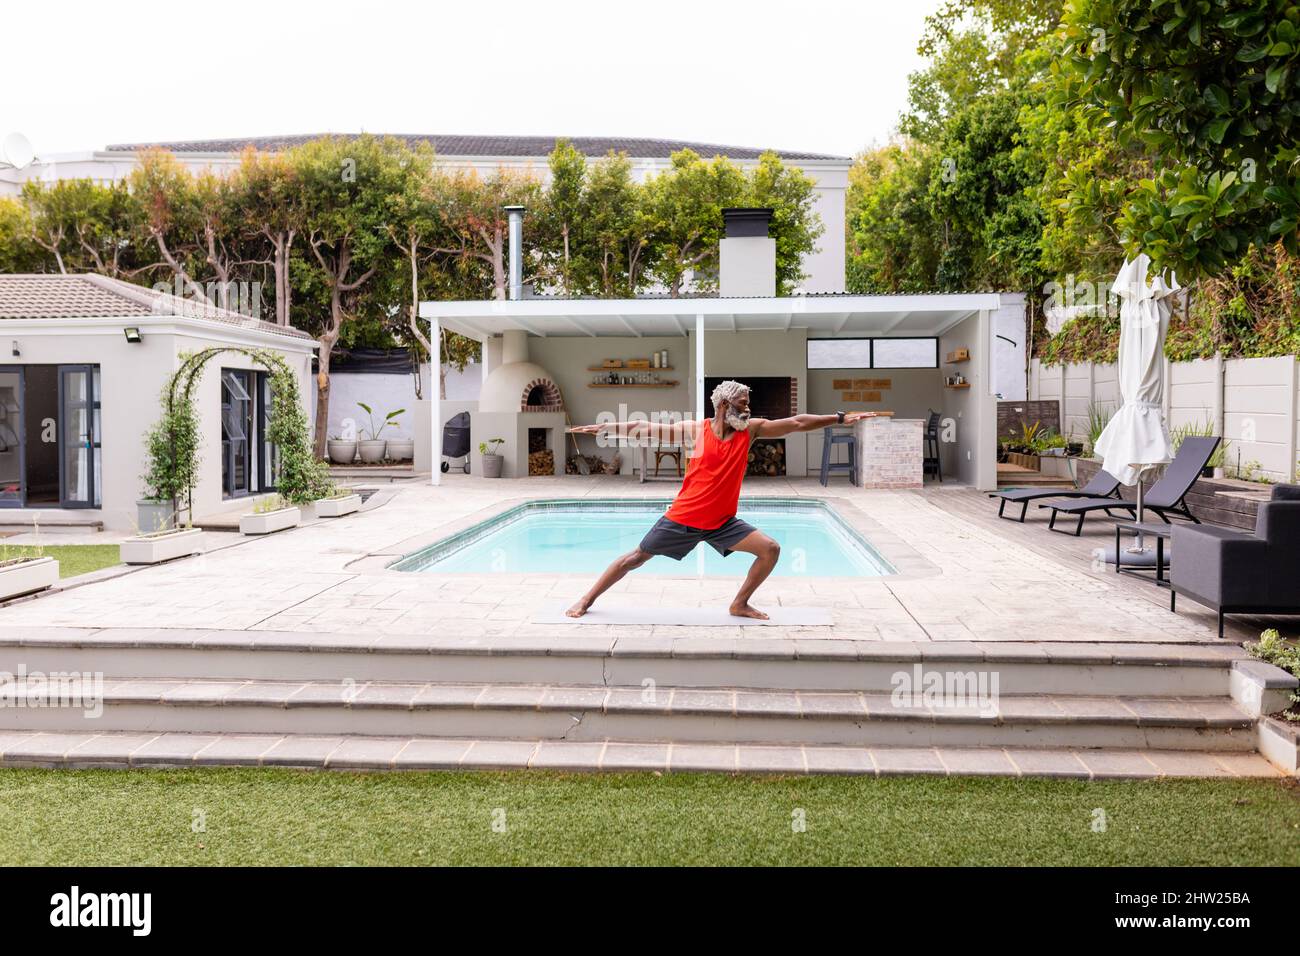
(1103,485)
(1165,497)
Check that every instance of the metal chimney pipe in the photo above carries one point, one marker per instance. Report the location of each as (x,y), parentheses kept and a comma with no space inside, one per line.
(516,251)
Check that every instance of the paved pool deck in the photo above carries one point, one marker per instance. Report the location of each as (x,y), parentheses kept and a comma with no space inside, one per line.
(970,578)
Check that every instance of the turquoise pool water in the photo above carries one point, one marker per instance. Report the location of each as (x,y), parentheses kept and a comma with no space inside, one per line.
(583,538)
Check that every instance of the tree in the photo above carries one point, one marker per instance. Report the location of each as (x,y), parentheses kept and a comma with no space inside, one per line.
(686,202)
(1087,176)
(222,231)
(171,214)
(474,210)
(274,213)
(619,225)
(561,244)
(991,225)
(18,252)
(345,185)
(796,227)
(975,47)
(1209,89)
(83,225)
(417,230)
(893,245)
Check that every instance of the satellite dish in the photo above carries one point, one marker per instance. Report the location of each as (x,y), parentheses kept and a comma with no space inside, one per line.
(16,150)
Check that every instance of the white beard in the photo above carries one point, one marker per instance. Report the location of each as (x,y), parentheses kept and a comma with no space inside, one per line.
(738,422)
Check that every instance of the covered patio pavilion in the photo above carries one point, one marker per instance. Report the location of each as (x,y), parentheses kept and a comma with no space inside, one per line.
(894,350)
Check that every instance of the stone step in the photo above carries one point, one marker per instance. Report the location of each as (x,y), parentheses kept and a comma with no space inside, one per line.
(144,750)
(1148,670)
(637,713)
(1036,481)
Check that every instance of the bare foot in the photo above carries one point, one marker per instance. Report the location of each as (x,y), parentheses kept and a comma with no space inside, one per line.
(578,609)
(746,610)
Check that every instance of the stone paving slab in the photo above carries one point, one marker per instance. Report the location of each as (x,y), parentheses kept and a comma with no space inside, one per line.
(990,584)
(1198,712)
(669,615)
(378,753)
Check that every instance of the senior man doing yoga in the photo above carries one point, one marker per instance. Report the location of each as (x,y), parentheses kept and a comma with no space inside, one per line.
(705,507)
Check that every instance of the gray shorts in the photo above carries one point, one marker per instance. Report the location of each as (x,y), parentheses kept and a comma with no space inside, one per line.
(676,541)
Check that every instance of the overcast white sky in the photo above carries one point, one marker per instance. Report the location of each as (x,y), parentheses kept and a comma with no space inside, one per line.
(819,75)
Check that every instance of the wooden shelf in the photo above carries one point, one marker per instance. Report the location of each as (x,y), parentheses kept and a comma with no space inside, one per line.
(963,385)
(956,356)
(638,385)
(625,368)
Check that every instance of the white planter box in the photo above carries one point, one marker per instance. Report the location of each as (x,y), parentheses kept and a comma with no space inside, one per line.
(269,521)
(1279,743)
(1054,465)
(27,577)
(335,507)
(152,549)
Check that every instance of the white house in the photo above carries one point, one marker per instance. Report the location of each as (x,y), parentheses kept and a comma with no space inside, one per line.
(824,268)
(83,363)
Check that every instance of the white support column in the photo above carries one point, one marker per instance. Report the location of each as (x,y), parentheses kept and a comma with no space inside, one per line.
(699,367)
(435,401)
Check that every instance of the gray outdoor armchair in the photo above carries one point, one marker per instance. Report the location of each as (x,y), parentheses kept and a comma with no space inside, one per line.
(1234,572)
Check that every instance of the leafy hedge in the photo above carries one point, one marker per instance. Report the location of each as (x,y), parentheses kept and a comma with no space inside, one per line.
(1251,311)
(1088,338)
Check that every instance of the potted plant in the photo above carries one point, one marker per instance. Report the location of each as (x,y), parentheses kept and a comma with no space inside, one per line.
(25,573)
(269,515)
(154,547)
(400,449)
(336,504)
(155,514)
(172,445)
(492,461)
(372,449)
(342,451)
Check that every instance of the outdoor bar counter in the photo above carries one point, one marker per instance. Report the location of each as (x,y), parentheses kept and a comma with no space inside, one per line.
(890,452)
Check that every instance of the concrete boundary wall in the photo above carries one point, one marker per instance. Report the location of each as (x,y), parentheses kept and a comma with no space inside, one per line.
(1253,403)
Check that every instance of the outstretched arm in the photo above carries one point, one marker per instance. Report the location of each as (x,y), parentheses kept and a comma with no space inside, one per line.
(669,432)
(777,427)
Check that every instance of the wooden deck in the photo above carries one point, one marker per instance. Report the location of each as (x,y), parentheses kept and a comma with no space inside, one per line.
(1017,476)
(1098,532)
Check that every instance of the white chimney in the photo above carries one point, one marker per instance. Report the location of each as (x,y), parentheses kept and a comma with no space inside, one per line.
(516,251)
(514,346)
(747,255)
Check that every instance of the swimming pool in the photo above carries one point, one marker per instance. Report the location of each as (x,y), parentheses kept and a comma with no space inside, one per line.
(584,536)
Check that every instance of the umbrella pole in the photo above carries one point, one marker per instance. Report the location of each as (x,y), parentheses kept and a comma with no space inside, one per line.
(1139,546)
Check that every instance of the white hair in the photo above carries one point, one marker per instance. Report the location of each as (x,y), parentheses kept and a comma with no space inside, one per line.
(728,392)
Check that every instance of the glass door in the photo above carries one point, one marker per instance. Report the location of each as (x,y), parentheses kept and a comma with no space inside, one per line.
(269,463)
(13,464)
(79,454)
(237,433)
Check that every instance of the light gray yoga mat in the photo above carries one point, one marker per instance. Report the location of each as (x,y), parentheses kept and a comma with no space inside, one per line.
(620,609)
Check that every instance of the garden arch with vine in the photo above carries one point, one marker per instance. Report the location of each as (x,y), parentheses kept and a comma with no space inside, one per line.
(174,440)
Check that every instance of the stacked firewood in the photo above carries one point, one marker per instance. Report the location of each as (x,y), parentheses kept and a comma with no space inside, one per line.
(766,458)
(595,465)
(541,462)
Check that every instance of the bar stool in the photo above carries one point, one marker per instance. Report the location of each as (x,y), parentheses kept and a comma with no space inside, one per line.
(831,436)
(930,464)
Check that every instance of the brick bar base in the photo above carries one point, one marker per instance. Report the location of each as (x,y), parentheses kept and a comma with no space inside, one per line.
(890,452)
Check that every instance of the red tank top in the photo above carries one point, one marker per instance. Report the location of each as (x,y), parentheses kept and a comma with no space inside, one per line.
(711,490)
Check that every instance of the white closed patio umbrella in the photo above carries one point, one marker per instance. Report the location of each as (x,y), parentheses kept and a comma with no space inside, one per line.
(1136,438)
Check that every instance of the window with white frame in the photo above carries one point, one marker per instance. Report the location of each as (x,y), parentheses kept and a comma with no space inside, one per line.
(873,353)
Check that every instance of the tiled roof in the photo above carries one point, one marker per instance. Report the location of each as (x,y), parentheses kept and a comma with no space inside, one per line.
(521,146)
(83,296)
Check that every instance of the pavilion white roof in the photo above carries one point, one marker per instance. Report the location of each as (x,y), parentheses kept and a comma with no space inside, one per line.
(822,315)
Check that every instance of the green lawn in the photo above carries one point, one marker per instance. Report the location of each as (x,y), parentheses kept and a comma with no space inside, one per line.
(259,816)
(73,559)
